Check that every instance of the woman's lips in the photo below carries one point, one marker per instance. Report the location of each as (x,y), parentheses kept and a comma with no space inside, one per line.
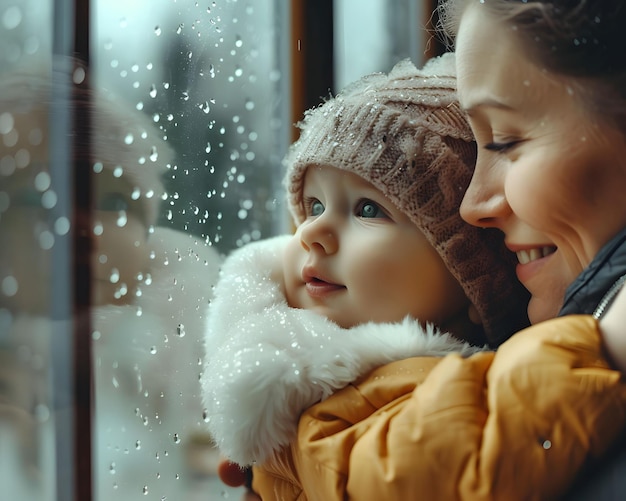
(525,256)
(531,260)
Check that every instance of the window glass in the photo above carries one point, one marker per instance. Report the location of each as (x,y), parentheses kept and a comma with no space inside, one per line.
(188,140)
(28,232)
(189,109)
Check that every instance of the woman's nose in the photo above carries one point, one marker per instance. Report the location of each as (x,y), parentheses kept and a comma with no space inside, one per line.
(319,235)
(485,203)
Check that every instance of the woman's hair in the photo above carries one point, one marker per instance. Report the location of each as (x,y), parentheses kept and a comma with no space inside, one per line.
(581,39)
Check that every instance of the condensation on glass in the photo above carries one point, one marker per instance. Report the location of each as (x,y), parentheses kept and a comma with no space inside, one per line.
(193,92)
(187,108)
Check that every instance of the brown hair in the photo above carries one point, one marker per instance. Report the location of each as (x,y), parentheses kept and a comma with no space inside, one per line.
(581,39)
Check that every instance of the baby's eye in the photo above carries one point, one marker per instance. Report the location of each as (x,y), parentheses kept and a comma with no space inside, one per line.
(369,209)
(314,207)
(112,202)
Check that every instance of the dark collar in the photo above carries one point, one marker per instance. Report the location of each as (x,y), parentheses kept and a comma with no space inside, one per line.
(586,292)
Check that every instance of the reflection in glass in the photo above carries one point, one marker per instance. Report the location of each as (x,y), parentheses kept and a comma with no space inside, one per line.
(189,105)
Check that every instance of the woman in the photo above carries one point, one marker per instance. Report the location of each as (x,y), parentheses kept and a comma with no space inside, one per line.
(548,109)
(524,422)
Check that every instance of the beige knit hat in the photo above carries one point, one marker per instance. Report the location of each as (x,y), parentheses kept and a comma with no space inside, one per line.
(406,134)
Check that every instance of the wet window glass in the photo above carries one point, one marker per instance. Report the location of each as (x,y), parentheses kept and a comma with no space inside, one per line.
(158,150)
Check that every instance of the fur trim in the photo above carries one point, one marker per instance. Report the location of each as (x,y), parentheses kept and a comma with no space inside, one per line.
(267,362)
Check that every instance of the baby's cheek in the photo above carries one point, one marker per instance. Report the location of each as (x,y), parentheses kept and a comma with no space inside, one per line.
(291,269)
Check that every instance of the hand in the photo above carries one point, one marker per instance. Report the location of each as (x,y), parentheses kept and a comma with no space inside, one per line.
(234,475)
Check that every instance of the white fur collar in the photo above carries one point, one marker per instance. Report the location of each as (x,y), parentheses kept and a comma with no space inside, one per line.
(266,362)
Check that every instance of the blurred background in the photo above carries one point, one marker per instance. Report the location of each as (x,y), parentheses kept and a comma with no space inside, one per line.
(141,141)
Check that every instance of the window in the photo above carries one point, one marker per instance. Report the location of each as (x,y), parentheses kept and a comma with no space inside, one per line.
(139,142)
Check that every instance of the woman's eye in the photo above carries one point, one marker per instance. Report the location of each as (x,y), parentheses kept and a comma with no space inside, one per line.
(369,209)
(501,147)
(315,208)
(112,202)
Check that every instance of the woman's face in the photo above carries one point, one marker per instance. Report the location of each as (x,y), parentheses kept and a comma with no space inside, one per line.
(550,174)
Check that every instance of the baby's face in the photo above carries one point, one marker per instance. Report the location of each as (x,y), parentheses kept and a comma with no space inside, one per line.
(357,258)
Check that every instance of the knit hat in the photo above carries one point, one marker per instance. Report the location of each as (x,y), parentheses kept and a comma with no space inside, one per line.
(406,135)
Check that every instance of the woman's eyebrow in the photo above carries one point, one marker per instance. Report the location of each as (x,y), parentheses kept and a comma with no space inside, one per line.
(487,102)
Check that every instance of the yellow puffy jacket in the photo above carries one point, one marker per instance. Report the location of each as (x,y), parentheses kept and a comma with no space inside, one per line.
(515,424)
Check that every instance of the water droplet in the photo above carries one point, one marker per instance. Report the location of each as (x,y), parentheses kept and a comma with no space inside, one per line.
(115,276)
(6,122)
(112,469)
(176,438)
(153,350)
(157,31)
(62,226)
(153,91)
(145,490)
(180,330)
(546,444)
(138,444)
(122,219)
(12,17)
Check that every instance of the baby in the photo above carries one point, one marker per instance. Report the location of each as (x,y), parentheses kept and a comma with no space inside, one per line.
(381,267)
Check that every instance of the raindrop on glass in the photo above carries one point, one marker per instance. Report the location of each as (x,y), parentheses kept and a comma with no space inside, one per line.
(115,276)
(9,286)
(12,17)
(122,219)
